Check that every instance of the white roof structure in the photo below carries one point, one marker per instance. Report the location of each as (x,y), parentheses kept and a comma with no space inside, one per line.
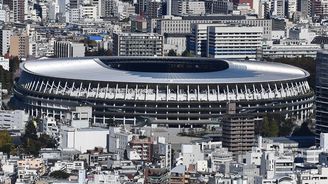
(103,70)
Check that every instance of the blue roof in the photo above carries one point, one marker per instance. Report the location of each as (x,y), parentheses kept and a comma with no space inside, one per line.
(95,38)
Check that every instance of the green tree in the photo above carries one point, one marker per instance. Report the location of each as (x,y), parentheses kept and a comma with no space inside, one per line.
(172,53)
(30,130)
(286,127)
(5,141)
(186,53)
(47,141)
(274,129)
(265,127)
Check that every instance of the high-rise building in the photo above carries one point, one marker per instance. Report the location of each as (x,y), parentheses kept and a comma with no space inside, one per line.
(319,8)
(153,9)
(9,3)
(321,93)
(18,8)
(198,39)
(278,8)
(137,44)
(5,35)
(109,8)
(141,7)
(19,46)
(245,42)
(238,133)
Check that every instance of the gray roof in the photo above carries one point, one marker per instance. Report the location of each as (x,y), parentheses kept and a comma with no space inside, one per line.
(92,69)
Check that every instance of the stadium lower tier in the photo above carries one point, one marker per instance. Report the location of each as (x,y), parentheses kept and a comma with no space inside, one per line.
(165,104)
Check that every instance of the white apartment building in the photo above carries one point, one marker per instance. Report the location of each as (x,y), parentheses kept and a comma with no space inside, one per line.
(76,138)
(13,120)
(68,49)
(184,24)
(74,15)
(118,140)
(88,12)
(190,154)
(278,8)
(234,42)
(198,39)
(49,126)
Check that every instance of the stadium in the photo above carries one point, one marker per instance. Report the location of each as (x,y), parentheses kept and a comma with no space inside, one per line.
(168,90)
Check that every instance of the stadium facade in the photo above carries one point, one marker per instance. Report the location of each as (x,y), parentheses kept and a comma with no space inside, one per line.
(169,90)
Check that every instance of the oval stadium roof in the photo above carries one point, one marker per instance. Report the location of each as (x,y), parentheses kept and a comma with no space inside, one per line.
(101,69)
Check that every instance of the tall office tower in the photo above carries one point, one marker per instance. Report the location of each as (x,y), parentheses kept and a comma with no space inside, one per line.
(137,44)
(218,6)
(153,9)
(304,7)
(18,8)
(5,35)
(321,93)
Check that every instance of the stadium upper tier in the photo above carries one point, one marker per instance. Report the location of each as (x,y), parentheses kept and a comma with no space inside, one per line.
(170,90)
(164,70)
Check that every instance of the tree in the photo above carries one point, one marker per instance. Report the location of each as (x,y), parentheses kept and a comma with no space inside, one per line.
(274,129)
(47,141)
(186,53)
(265,127)
(270,127)
(5,141)
(59,174)
(286,127)
(172,53)
(304,130)
(30,131)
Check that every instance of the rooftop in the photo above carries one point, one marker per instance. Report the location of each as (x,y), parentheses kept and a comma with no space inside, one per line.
(164,70)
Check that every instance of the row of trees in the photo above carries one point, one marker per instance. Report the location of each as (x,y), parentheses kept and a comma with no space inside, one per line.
(274,125)
(31,143)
